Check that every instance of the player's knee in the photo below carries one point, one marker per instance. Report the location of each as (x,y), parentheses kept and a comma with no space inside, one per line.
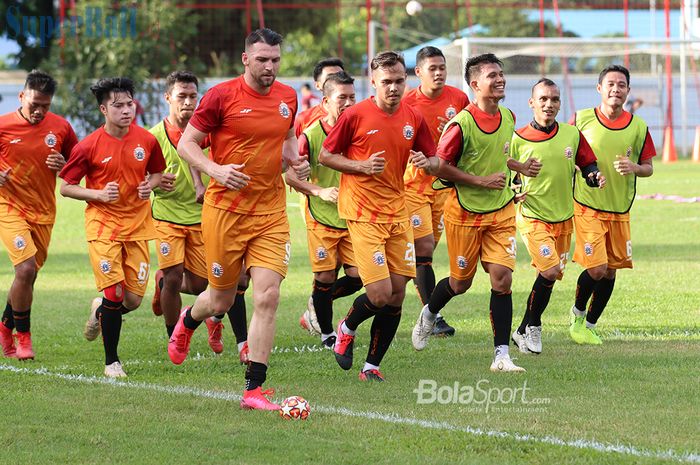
(172,278)
(26,271)
(610,274)
(378,297)
(460,286)
(502,283)
(267,299)
(425,246)
(598,272)
(551,274)
(243,280)
(114,293)
(325,276)
(132,301)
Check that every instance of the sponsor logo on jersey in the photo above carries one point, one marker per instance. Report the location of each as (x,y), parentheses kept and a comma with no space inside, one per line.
(321,253)
(569,152)
(20,242)
(450,112)
(105,266)
(545,250)
(416,221)
(245,111)
(408,132)
(217,270)
(461,262)
(16,141)
(164,249)
(50,140)
(378,258)
(106,159)
(588,249)
(284,110)
(139,153)
(372,131)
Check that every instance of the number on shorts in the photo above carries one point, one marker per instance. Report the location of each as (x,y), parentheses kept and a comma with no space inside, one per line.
(513,249)
(563,260)
(287,252)
(629,249)
(144,270)
(410,256)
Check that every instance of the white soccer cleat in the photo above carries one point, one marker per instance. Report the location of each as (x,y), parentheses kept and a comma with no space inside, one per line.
(503,364)
(308,319)
(533,339)
(422,331)
(92,326)
(115,370)
(520,342)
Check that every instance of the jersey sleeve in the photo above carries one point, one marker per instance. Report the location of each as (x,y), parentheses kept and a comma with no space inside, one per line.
(303,145)
(156,162)
(648,150)
(340,137)
(450,144)
(299,123)
(77,166)
(69,142)
(584,154)
(424,140)
(207,116)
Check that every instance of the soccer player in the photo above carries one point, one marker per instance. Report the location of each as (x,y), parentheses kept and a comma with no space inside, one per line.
(546,154)
(480,213)
(321,71)
(624,148)
(122,163)
(34,146)
(327,234)
(250,122)
(438,103)
(177,214)
(371,144)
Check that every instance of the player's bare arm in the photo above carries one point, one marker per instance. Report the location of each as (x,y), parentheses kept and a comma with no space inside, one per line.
(5,176)
(146,186)
(55,161)
(372,165)
(421,161)
(199,187)
(189,148)
(451,173)
(291,157)
(530,168)
(624,166)
(108,194)
(329,194)
(167,182)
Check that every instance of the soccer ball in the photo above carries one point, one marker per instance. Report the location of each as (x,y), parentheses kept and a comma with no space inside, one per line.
(413,8)
(295,408)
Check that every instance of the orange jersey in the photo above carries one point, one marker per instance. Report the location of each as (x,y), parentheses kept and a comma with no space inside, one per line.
(102,158)
(247,128)
(365,129)
(30,190)
(308,117)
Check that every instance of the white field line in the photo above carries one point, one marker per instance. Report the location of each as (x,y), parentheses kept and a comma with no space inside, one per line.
(689,457)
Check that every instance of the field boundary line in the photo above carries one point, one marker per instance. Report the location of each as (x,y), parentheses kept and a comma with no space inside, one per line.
(692,457)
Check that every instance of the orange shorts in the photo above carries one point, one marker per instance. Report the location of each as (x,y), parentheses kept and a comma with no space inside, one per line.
(425,213)
(24,240)
(492,242)
(600,242)
(178,244)
(116,261)
(328,247)
(547,243)
(230,239)
(381,249)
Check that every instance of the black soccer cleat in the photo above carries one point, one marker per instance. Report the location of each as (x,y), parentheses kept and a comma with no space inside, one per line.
(442,329)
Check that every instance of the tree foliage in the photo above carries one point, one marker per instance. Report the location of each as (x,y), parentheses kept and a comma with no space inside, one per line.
(30,54)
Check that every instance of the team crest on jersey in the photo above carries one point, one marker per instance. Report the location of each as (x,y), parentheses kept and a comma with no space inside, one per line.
(105,266)
(506,148)
(217,270)
(139,153)
(588,249)
(461,262)
(408,132)
(416,221)
(321,253)
(568,152)
(164,249)
(50,140)
(20,242)
(284,110)
(545,250)
(450,112)
(378,258)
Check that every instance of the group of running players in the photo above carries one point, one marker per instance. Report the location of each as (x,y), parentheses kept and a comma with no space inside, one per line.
(207,184)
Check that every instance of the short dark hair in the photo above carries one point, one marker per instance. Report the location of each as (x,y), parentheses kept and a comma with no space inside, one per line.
(546,81)
(180,76)
(473,65)
(428,52)
(387,60)
(614,69)
(40,82)
(102,88)
(266,36)
(326,63)
(334,80)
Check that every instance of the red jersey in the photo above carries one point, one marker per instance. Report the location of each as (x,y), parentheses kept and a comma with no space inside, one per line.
(362,130)
(101,158)
(249,128)
(30,191)
(308,117)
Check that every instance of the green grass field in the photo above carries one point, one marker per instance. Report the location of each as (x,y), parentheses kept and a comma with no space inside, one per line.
(633,400)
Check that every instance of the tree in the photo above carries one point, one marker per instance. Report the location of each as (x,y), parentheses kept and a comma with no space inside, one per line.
(144,44)
(31,53)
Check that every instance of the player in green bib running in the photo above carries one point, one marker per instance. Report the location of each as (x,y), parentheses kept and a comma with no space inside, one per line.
(473,154)
(546,154)
(177,216)
(327,234)
(623,146)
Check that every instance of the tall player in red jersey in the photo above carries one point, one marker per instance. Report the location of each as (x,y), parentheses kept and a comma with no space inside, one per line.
(122,163)
(250,122)
(34,146)
(438,103)
(371,144)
